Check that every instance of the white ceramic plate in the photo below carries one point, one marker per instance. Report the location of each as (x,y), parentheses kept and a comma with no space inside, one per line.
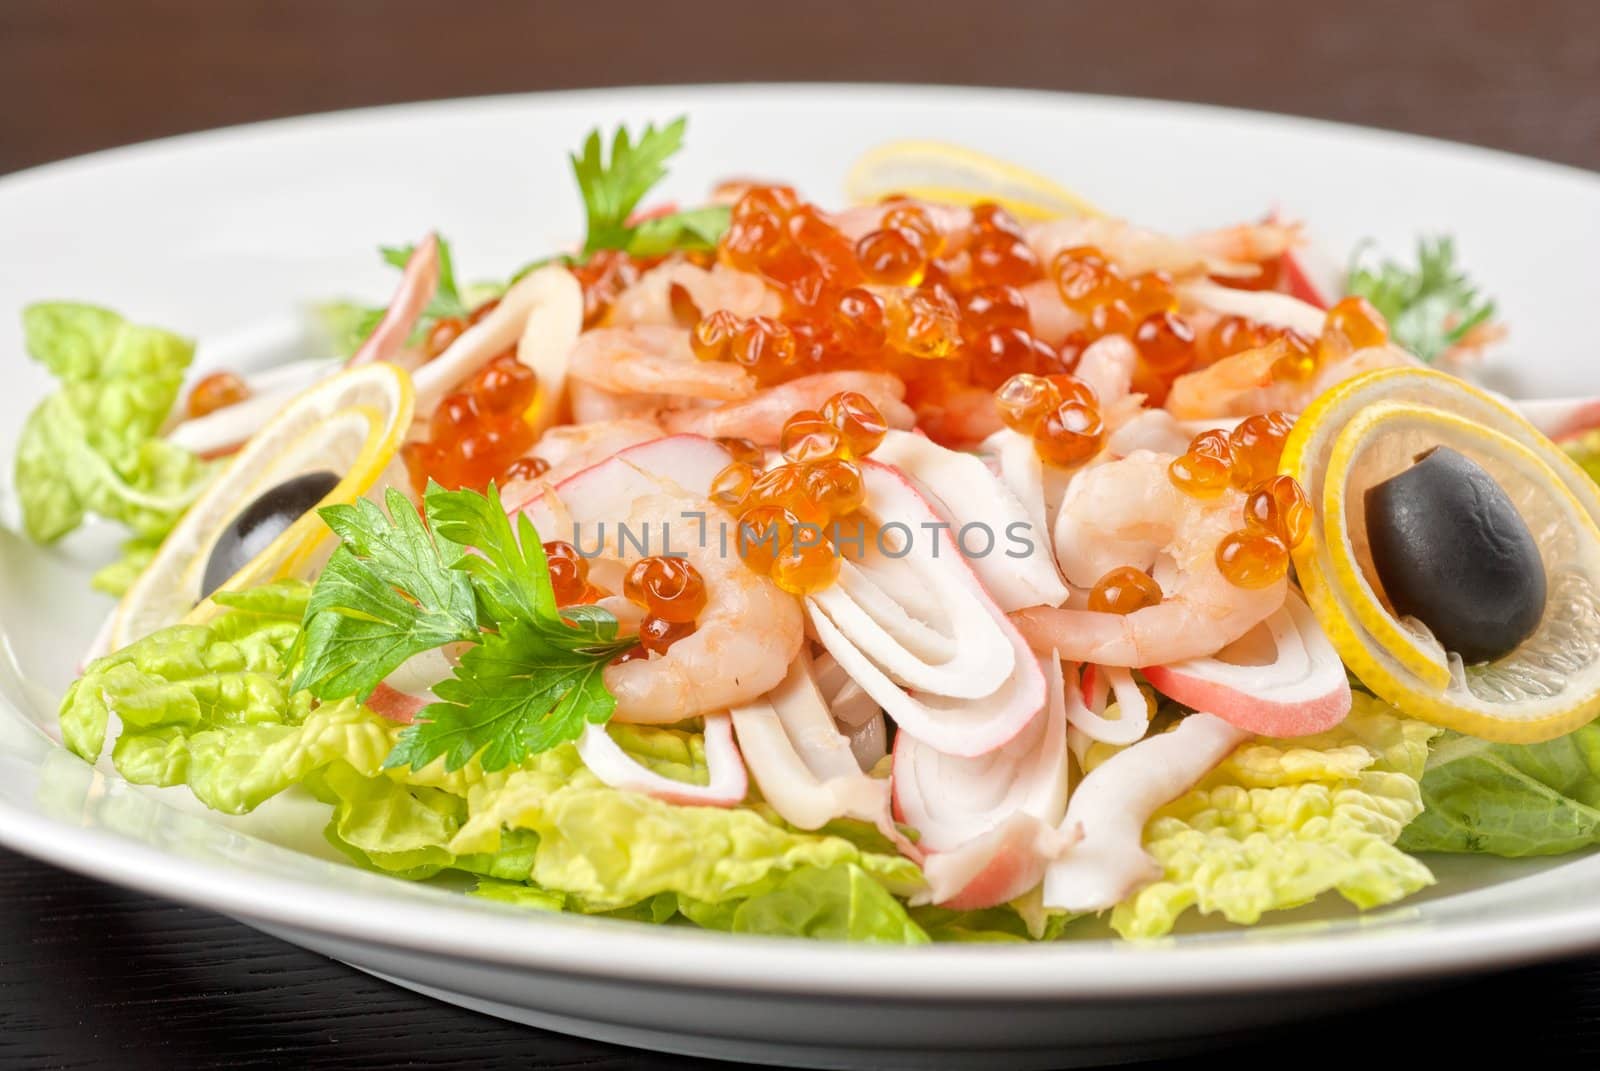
(225,235)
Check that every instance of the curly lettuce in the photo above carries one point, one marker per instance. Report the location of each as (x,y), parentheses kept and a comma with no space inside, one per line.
(213,707)
(93,446)
(1510,799)
(1280,822)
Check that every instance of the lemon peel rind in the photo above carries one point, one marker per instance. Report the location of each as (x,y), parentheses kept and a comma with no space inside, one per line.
(385,429)
(1024,193)
(1377,669)
(1349,443)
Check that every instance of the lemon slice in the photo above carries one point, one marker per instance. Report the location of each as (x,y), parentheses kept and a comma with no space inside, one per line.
(950,174)
(1370,428)
(351,424)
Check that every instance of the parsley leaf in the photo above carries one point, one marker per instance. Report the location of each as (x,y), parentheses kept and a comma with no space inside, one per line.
(447,300)
(458,571)
(348,324)
(511,574)
(521,691)
(387,593)
(613,188)
(693,229)
(1429,308)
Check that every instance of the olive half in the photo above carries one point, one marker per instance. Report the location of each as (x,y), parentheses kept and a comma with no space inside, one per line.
(262,521)
(1452,551)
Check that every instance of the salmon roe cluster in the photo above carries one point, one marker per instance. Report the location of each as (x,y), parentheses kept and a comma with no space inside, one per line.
(1277,514)
(569,575)
(783,511)
(479,432)
(1060,412)
(215,391)
(1352,324)
(672,595)
(937,301)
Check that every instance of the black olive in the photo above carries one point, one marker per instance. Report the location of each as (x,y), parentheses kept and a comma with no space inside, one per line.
(262,521)
(1452,551)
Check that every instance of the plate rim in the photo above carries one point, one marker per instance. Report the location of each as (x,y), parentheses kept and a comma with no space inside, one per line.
(634,952)
(290,124)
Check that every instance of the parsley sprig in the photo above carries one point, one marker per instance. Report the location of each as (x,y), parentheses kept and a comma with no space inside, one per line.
(405,582)
(1430,307)
(350,324)
(613,188)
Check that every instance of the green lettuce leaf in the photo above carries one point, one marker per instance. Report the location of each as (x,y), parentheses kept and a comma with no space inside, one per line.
(608,848)
(210,706)
(836,903)
(213,707)
(115,579)
(1280,822)
(1510,799)
(92,447)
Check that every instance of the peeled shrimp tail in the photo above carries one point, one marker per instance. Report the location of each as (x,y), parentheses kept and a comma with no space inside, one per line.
(654,360)
(761,418)
(1155,635)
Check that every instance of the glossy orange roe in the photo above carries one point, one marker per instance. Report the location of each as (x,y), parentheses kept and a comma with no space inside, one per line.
(1254,447)
(1280,507)
(1124,590)
(525,468)
(656,634)
(478,431)
(1252,558)
(860,423)
(569,572)
(216,391)
(667,588)
(1069,435)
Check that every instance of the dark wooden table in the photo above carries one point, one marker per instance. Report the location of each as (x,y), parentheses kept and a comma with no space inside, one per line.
(91,975)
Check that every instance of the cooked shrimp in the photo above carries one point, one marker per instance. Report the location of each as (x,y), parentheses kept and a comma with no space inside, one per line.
(1048,316)
(1144,429)
(1107,365)
(654,360)
(571,448)
(1370,359)
(744,640)
(650,300)
(963,416)
(863,219)
(1136,250)
(1243,384)
(1248,242)
(761,418)
(1237,385)
(591,405)
(1128,512)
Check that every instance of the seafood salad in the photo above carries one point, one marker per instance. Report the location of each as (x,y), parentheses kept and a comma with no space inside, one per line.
(952,562)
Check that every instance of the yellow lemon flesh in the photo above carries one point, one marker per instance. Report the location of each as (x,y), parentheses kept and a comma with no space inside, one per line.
(350,424)
(1369,429)
(950,174)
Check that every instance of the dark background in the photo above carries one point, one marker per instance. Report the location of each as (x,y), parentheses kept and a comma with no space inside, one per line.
(92,975)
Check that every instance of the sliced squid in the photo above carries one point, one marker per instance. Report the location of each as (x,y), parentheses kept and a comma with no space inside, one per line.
(973,499)
(541,315)
(956,675)
(804,766)
(727,781)
(1088,703)
(989,823)
(1111,805)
